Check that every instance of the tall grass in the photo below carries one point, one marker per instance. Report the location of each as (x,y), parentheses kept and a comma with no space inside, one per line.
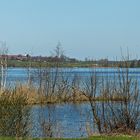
(14,113)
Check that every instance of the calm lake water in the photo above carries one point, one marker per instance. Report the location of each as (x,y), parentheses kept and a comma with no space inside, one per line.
(65,120)
(21,75)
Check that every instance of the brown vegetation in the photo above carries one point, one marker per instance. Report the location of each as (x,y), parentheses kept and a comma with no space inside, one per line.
(14,113)
(33,96)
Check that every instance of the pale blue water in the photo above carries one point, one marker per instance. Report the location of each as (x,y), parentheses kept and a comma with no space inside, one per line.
(67,120)
(15,75)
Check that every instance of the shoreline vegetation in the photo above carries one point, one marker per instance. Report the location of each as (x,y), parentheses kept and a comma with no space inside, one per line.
(114,103)
(34,96)
(102,94)
(78,64)
(59,59)
(104,137)
(52,87)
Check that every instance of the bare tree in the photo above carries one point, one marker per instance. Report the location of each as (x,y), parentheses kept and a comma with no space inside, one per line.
(58,50)
(3,64)
(91,88)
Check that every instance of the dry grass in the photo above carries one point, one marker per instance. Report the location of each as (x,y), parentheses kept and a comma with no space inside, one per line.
(36,96)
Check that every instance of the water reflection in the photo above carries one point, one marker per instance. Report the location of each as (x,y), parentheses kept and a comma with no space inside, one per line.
(63,120)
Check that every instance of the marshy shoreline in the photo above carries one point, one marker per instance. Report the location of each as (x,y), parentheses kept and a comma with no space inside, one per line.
(113,103)
(34,96)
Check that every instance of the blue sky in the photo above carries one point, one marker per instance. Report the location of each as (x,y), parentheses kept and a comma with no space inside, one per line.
(86,28)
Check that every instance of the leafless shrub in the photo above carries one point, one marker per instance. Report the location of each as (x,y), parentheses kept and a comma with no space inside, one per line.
(125,113)
(118,108)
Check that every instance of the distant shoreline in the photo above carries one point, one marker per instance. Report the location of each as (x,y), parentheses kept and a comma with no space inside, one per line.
(78,64)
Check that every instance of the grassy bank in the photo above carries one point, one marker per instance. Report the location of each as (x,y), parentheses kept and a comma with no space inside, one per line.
(34,64)
(19,63)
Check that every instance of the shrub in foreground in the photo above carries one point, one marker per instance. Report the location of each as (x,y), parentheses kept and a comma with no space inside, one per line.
(14,113)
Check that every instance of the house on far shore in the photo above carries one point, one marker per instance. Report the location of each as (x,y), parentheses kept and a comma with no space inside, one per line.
(14,57)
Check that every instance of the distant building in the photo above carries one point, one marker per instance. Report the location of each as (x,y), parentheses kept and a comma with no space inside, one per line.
(14,57)
(38,58)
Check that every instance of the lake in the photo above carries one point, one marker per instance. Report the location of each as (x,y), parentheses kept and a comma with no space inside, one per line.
(67,120)
(21,75)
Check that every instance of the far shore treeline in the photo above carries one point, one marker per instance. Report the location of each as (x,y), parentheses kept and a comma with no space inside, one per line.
(59,58)
(64,61)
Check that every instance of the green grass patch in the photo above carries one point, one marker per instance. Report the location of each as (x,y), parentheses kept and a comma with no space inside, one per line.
(114,138)
(90,138)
